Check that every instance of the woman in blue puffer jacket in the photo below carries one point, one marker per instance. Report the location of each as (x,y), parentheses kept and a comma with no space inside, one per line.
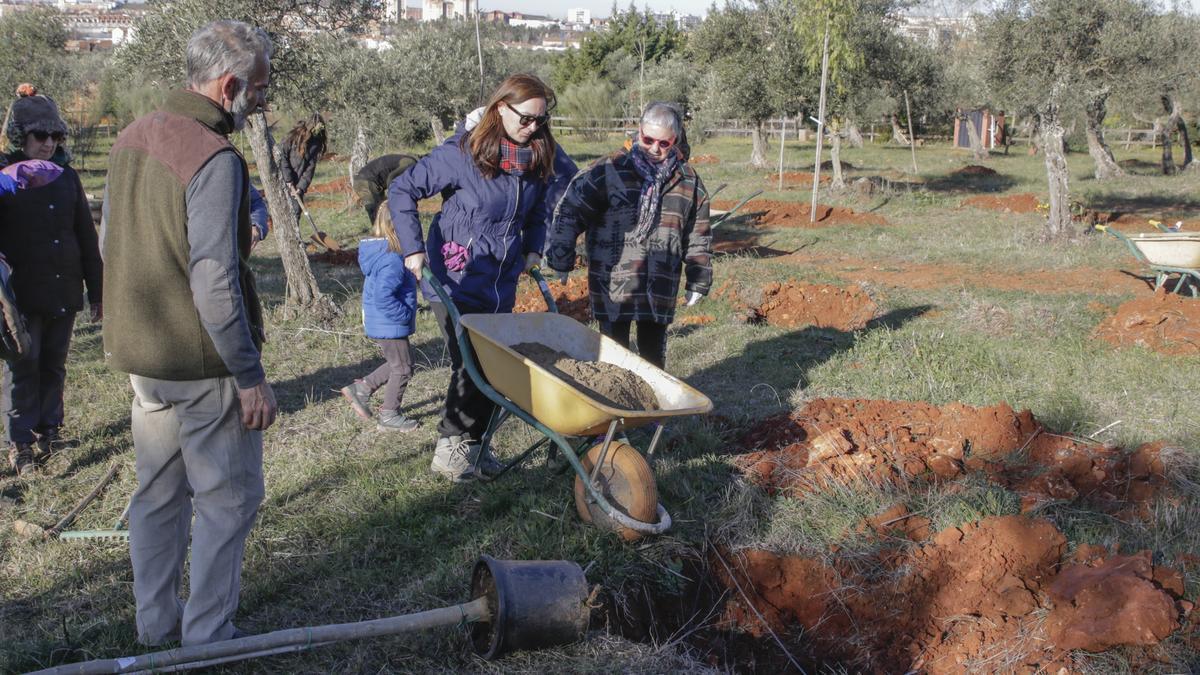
(389,311)
(501,181)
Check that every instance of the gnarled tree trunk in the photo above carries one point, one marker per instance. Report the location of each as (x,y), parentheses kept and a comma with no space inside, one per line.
(1050,132)
(898,136)
(1167,132)
(978,152)
(759,149)
(1106,165)
(854,135)
(303,294)
(835,154)
(360,153)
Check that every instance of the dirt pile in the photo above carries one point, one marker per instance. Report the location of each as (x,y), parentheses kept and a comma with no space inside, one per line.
(571,298)
(971,599)
(1024,202)
(793,179)
(845,440)
(1168,323)
(346,256)
(335,186)
(704,159)
(695,320)
(973,170)
(793,304)
(611,384)
(767,213)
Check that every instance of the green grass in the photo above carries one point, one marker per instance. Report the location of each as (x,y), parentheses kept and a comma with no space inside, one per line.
(355,527)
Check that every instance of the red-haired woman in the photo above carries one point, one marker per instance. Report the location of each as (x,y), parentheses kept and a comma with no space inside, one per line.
(503,177)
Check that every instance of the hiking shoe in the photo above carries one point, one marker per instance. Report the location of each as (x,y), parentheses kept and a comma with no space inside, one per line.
(359,397)
(390,420)
(20,458)
(49,442)
(489,466)
(454,458)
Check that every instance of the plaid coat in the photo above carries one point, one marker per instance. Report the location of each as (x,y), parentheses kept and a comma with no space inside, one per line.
(633,280)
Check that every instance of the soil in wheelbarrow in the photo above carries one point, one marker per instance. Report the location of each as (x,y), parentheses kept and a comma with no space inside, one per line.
(611,384)
(768,213)
(1167,323)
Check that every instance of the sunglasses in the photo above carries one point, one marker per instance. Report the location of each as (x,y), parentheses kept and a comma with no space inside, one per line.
(651,142)
(41,136)
(526,120)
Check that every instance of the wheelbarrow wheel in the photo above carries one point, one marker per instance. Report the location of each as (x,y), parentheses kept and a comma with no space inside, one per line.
(626,481)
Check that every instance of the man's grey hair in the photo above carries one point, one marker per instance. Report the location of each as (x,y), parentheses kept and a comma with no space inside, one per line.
(225,47)
(666,115)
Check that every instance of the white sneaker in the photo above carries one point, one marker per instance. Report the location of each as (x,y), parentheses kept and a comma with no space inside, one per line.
(454,458)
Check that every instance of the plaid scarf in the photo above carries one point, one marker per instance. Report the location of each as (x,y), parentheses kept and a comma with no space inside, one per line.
(654,176)
(515,159)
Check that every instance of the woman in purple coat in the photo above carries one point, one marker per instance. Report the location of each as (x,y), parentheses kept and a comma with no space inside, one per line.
(502,178)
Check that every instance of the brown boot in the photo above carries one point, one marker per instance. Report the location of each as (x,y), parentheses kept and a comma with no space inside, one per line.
(20,458)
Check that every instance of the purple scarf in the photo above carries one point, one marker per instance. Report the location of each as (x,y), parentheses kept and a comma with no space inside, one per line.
(654,176)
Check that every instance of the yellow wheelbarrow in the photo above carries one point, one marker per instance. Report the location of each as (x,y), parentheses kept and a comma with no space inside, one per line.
(614,485)
(1166,253)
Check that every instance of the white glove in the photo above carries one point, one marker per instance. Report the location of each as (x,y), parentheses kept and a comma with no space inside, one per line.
(693,297)
(562,277)
(532,260)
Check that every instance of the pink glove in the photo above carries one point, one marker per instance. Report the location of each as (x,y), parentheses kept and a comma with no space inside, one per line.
(33,173)
(455,256)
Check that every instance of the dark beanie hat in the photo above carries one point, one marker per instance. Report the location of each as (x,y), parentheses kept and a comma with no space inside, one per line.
(33,113)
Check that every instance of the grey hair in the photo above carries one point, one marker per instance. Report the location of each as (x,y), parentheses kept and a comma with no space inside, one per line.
(666,115)
(225,47)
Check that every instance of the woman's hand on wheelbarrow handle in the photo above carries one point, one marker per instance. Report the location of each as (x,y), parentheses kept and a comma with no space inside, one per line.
(414,262)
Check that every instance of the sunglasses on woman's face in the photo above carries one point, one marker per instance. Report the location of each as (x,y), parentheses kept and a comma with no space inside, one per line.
(650,142)
(41,136)
(526,120)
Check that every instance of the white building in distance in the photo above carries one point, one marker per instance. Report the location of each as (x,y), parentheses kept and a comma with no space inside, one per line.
(432,10)
(583,16)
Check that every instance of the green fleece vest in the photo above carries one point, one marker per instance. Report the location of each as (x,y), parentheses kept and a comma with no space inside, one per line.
(151,325)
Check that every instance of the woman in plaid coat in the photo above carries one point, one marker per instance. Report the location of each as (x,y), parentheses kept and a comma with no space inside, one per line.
(645,215)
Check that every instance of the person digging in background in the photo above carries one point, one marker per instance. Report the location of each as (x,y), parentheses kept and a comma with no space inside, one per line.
(303,147)
(47,235)
(645,215)
(372,181)
(389,311)
(490,230)
(185,322)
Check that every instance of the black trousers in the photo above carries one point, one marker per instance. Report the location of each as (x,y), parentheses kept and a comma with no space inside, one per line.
(33,384)
(394,374)
(651,338)
(467,410)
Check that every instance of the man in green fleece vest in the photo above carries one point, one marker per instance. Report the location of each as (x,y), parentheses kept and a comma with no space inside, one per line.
(186,325)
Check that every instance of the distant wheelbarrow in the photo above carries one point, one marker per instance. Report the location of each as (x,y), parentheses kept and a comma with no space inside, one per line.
(1167,253)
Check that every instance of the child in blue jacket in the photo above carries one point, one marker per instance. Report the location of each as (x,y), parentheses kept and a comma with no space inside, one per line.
(389,310)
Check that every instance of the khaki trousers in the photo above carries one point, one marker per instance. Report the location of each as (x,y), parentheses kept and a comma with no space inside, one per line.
(193,455)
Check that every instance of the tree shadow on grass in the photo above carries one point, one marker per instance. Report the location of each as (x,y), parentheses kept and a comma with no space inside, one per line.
(1143,203)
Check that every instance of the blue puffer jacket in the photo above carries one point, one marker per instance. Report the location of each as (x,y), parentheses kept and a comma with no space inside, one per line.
(497,220)
(389,301)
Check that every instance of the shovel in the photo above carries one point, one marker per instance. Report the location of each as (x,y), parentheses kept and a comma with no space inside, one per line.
(318,236)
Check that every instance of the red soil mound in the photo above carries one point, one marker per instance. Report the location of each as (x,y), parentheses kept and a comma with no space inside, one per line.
(343,257)
(337,185)
(793,305)
(793,179)
(973,170)
(695,320)
(796,214)
(1018,203)
(969,600)
(706,159)
(1164,322)
(571,298)
(845,440)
